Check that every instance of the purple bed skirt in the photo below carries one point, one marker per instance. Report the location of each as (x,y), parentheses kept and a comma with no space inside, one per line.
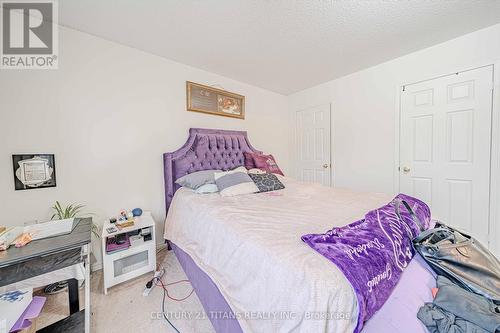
(399,313)
(210,297)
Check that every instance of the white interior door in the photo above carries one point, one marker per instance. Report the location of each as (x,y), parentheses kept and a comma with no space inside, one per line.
(445,147)
(313,144)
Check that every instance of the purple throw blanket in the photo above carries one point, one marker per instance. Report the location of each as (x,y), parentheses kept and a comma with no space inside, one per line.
(373,252)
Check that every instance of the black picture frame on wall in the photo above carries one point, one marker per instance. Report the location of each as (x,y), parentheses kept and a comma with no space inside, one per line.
(33,171)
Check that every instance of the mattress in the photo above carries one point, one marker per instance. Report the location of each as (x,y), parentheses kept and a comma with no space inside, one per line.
(399,313)
(250,247)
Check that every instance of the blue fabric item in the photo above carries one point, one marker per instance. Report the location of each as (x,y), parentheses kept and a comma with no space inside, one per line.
(438,320)
(473,313)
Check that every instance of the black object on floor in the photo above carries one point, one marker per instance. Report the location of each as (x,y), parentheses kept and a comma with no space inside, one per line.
(55,288)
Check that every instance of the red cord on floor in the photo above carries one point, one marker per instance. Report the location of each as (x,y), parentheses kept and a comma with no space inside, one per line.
(164,286)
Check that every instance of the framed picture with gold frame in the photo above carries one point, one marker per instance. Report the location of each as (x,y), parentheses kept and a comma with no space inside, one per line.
(206,99)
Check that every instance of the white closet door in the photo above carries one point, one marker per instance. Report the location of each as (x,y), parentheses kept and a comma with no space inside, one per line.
(445,147)
(313,144)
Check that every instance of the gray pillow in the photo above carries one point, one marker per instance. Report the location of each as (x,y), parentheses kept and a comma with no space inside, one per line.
(235,183)
(197,179)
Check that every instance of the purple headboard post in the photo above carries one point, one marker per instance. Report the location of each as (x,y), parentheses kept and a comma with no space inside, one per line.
(205,149)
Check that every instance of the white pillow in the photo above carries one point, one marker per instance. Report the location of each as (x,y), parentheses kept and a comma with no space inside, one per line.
(207,188)
(243,188)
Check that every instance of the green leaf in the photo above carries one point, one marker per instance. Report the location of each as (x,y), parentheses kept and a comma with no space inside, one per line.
(58,207)
(70,211)
(67,211)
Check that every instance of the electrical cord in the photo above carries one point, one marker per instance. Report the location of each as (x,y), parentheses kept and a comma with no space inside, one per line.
(164,286)
(163,311)
(157,280)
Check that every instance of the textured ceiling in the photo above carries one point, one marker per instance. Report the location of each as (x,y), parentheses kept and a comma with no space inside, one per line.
(284,46)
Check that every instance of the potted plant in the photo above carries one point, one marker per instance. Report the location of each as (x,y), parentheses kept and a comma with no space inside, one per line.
(69,212)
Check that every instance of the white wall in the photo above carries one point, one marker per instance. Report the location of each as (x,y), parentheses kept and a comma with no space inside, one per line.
(364,106)
(108,114)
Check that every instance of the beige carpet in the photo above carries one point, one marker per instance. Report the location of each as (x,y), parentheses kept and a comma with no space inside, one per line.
(124,309)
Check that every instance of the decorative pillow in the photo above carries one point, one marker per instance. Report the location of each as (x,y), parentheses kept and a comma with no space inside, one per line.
(234,183)
(267,182)
(249,163)
(197,179)
(207,188)
(267,163)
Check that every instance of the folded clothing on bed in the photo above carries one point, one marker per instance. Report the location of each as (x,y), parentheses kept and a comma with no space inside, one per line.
(373,252)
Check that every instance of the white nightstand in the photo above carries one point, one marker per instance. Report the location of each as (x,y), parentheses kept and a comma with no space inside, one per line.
(137,259)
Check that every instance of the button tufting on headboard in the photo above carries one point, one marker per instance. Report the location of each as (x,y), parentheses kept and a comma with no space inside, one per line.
(205,149)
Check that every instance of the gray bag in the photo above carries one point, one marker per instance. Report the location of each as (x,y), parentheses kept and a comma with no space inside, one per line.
(460,258)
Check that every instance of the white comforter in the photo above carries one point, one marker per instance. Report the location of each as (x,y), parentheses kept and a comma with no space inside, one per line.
(250,247)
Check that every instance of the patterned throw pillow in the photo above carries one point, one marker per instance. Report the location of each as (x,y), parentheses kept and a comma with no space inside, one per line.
(267,182)
(267,163)
(249,163)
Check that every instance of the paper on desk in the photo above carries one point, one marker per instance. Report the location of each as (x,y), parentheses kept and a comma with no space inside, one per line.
(50,229)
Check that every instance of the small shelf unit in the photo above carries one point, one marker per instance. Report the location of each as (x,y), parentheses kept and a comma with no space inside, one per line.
(137,259)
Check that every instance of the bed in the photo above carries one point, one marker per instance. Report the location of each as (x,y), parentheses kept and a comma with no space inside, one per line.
(247,263)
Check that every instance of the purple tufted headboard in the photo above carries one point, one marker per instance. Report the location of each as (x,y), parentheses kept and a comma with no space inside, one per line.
(205,149)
